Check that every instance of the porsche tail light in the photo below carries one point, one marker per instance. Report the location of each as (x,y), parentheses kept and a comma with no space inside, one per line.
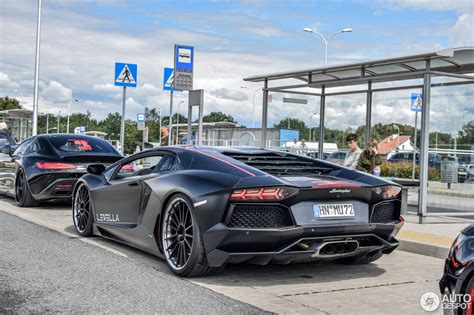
(263,194)
(55,166)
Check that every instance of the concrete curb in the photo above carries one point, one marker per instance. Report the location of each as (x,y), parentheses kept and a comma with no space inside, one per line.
(451,192)
(425,249)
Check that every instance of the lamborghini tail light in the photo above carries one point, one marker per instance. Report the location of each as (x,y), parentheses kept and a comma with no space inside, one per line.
(263,194)
(54,166)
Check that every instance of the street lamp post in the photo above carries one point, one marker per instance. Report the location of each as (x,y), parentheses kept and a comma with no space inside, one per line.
(19,92)
(68,113)
(326,40)
(47,120)
(177,122)
(253,103)
(59,118)
(310,119)
(34,130)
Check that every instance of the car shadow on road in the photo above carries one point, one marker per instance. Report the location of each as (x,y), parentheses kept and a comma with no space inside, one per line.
(249,274)
(46,205)
(295,273)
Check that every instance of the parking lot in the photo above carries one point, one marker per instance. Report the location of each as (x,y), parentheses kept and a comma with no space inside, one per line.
(394,284)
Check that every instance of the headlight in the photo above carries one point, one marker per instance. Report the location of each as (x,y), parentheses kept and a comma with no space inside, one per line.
(387,192)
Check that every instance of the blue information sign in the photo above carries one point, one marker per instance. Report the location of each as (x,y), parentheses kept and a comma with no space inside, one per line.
(141,118)
(125,74)
(415,102)
(184,57)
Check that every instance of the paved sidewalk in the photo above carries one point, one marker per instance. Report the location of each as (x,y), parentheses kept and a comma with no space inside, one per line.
(433,238)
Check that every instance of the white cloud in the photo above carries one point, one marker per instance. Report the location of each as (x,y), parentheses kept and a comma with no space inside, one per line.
(229,94)
(462,33)
(6,83)
(56,92)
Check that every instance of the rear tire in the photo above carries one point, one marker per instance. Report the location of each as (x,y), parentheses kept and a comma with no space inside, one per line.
(361,260)
(469,290)
(181,240)
(82,214)
(23,196)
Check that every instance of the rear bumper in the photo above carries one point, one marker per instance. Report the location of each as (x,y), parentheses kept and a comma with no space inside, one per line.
(225,245)
(58,189)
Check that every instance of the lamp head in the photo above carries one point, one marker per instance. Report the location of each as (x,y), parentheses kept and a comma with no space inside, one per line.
(308,30)
(347,30)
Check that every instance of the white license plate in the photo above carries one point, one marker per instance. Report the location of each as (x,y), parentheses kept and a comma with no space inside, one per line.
(333,210)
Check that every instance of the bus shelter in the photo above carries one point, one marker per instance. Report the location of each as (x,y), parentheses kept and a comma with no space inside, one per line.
(454,66)
(18,122)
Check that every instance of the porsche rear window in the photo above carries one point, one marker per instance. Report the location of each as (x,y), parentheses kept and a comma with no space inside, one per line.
(71,144)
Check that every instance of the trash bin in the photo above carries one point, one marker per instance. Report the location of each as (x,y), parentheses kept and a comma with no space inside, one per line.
(449,170)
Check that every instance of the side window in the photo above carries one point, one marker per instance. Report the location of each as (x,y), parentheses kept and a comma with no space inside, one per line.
(33,148)
(23,147)
(146,165)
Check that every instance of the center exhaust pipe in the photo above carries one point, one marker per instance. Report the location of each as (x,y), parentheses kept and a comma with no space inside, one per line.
(337,248)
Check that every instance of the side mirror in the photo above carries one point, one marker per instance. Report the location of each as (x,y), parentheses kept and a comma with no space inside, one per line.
(7,150)
(96,169)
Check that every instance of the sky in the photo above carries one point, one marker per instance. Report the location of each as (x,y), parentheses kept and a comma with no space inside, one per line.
(81,41)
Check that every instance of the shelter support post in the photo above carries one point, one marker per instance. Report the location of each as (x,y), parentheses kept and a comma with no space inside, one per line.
(368,115)
(265,114)
(322,110)
(200,115)
(190,119)
(425,136)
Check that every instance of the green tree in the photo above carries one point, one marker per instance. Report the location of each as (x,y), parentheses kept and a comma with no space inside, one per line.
(217,117)
(9,103)
(295,124)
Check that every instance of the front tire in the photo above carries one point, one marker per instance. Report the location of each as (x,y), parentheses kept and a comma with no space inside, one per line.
(181,240)
(23,196)
(82,211)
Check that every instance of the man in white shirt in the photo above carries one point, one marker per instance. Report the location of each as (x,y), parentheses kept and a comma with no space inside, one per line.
(352,156)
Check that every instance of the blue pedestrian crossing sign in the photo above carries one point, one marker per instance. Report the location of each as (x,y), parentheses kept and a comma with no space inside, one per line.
(168,79)
(125,74)
(416,102)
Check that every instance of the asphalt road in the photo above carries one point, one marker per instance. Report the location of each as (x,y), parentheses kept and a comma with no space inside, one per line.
(44,271)
(46,266)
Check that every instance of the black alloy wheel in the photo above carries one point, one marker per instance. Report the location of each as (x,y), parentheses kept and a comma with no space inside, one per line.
(82,211)
(181,239)
(23,197)
(178,234)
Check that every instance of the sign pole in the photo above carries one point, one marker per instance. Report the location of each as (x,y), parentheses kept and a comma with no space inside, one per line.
(170,135)
(122,122)
(414,144)
(159,112)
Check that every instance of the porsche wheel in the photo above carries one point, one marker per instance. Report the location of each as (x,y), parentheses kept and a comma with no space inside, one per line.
(82,211)
(182,241)
(23,195)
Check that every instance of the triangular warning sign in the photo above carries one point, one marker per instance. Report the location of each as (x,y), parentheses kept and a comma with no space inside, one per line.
(125,76)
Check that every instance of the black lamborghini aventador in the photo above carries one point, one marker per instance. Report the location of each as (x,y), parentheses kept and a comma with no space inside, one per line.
(46,167)
(202,207)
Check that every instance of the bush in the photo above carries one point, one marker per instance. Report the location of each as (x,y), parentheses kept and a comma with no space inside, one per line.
(404,170)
